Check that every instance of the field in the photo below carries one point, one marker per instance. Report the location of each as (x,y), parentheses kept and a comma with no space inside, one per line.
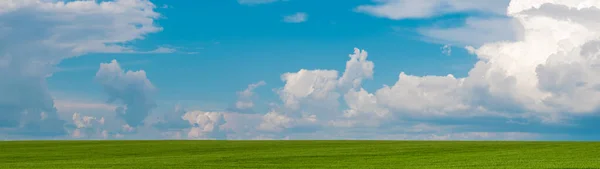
(297,154)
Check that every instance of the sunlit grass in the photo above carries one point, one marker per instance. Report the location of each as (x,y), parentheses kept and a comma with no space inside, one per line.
(297,154)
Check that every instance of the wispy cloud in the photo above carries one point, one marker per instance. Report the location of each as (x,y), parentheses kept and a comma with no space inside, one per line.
(95,67)
(407,9)
(447,50)
(165,6)
(296,18)
(75,106)
(163,49)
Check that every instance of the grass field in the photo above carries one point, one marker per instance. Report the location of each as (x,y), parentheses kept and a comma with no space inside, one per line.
(297,154)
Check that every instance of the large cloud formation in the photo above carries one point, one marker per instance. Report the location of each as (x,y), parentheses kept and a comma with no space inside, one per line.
(35,35)
(548,77)
(549,74)
(518,89)
(130,88)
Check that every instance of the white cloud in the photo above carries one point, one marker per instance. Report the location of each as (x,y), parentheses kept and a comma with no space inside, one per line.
(205,124)
(470,49)
(428,95)
(311,94)
(550,73)
(321,86)
(126,128)
(358,68)
(407,9)
(163,49)
(447,50)
(245,97)
(87,126)
(47,32)
(74,106)
(361,102)
(317,85)
(296,18)
(275,122)
(475,31)
(131,88)
(278,122)
(548,76)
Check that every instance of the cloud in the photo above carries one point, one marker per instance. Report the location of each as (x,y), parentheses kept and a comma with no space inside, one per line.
(308,94)
(490,25)
(296,18)
(74,106)
(31,46)
(277,122)
(245,97)
(410,9)
(542,83)
(549,75)
(173,120)
(320,86)
(206,125)
(165,6)
(475,31)
(447,50)
(131,88)
(547,79)
(161,49)
(87,126)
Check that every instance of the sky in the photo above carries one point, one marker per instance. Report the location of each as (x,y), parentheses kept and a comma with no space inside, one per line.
(300,69)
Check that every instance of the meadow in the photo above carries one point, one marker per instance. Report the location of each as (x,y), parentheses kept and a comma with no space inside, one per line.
(297,154)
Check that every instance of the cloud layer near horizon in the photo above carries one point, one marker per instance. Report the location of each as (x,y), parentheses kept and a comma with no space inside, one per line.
(47,32)
(544,79)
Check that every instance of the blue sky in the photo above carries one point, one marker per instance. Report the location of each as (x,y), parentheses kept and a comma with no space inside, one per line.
(252,43)
(297,69)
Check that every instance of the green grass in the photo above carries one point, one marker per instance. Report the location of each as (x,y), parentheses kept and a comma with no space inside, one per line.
(297,154)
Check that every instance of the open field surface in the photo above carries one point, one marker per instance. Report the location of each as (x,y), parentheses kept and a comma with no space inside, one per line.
(297,154)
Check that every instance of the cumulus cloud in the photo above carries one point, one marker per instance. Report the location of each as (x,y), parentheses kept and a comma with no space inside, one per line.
(296,18)
(321,86)
(548,74)
(278,122)
(173,120)
(206,125)
(35,35)
(548,77)
(130,88)
(274,121)
(88,127)
(245,97)
(312,94)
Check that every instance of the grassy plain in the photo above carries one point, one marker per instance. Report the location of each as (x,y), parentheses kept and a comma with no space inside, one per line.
(297,154)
